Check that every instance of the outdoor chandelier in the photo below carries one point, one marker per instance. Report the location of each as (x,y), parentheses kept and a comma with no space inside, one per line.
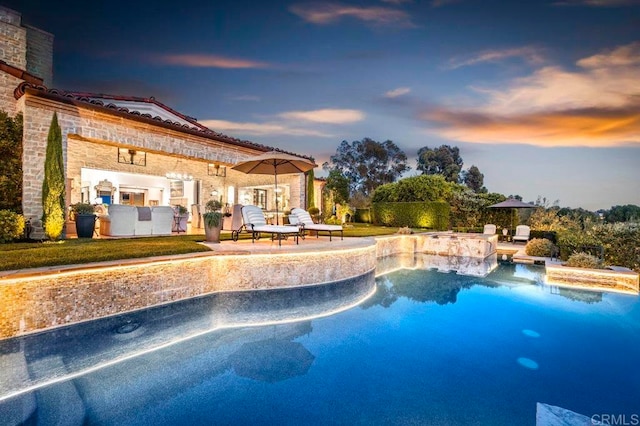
(179,176)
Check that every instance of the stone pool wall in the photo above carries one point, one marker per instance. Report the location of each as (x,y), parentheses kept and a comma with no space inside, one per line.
(623,281)
(51,297)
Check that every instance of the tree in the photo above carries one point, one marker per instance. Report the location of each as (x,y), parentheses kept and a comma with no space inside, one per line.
(474,180)
(338,185)
(310,189)
(444,160)
(626,213)
(368,164)
(11,164)
(53,183)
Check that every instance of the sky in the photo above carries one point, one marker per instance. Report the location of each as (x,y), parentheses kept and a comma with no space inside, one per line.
(543,96)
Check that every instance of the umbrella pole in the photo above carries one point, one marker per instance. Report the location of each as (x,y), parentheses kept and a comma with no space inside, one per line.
(275,173)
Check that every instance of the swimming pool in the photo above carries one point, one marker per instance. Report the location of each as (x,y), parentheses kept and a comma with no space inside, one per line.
(407,347)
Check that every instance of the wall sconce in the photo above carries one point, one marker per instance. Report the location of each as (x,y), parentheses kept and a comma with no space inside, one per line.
(216,170)
(131,156)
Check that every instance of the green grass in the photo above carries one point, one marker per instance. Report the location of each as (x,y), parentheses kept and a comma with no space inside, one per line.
(79,251)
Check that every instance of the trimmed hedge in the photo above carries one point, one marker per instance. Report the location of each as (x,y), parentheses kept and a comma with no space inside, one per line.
(363,216)
(430,214)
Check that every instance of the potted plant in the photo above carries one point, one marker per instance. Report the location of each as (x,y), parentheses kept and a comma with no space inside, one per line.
(85,219)
(212,221)
(183,214)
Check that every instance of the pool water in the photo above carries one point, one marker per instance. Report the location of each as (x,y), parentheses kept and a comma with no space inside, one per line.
(409,347)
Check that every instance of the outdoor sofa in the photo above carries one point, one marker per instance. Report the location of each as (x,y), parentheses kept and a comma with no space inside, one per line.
(129,221)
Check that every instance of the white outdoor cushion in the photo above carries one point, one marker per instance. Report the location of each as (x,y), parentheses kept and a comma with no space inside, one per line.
(123,220)
(162,220)
(304,217)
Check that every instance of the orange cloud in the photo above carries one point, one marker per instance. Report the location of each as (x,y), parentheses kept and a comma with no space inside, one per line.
(328,13)
(593,128)
(210,61)
(596,105)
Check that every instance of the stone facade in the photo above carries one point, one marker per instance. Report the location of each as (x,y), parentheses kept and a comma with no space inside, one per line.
(13,39)
(40,54)
(91,139)
(24,48)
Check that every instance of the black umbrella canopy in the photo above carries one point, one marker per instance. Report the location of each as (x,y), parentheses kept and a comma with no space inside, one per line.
(275,163)
(512,203)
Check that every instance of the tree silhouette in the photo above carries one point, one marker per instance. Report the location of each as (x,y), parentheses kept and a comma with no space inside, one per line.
(368,164)
(443,160)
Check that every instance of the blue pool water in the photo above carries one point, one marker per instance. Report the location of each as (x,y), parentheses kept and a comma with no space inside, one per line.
(409,347)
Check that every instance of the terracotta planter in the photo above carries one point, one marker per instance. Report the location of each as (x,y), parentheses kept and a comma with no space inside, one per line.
(212,234)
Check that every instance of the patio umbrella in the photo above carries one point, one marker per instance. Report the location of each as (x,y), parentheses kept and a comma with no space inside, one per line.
(512,203)
(275,163)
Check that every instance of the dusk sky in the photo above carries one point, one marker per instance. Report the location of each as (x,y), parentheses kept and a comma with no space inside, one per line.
(542,96)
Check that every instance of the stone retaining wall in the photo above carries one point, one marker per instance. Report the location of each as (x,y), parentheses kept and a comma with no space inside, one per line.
(52,297)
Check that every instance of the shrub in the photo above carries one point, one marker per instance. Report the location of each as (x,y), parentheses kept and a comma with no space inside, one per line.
(82,208)
(434,215)
(212,217)
(540,247)
(363,215)
(11,226)
(584,260)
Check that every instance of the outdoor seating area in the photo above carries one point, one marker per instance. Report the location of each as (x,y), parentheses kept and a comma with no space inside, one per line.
(522,233)
(128,221)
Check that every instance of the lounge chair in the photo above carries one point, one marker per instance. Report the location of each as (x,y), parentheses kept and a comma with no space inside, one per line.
(256,223)
(522,233)
(304,219)
(489,229)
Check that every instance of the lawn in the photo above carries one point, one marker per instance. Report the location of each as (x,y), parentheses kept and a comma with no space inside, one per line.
(79,251)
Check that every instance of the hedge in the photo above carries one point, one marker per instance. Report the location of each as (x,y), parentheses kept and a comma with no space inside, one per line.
(430,214)
(363,215)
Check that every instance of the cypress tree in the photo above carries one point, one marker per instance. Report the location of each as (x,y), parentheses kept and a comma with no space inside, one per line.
(310,193)
(53,195)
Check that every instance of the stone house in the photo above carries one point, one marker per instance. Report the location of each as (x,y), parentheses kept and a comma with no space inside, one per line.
(123,149)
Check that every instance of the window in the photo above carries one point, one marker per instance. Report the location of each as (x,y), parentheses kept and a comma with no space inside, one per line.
(260,198)
(177,188)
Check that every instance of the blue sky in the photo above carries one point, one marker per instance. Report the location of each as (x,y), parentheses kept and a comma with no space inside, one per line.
(542,96)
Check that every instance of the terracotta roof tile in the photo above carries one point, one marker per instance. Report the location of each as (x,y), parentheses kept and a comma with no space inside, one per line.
(20,73)
(83,98)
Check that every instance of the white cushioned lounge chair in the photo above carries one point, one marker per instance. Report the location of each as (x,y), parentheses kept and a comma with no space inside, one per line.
(256,223)
(489,229)
(304,219)
(522,233)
